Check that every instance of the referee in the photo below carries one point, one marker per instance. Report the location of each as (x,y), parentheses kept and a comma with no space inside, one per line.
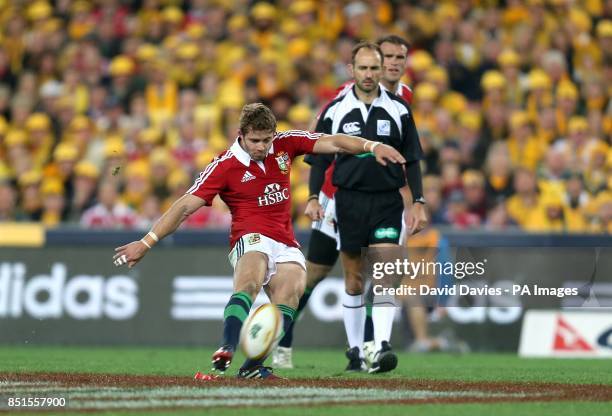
(369,206)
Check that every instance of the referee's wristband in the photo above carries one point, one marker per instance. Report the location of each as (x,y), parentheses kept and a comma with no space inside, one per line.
(313,196)
(420,200)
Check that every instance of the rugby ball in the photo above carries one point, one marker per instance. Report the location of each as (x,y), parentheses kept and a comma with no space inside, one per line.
(261,331)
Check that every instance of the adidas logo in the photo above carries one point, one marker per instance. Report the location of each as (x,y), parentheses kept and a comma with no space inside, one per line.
(248,176)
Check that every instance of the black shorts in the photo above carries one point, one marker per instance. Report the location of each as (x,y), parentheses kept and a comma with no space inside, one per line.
(322,249)
(366,218)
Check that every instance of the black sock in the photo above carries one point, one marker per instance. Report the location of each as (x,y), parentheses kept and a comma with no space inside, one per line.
(368,334)
(288,314)
(236,311)
(287,339)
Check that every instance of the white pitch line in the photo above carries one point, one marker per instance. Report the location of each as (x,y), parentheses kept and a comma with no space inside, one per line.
(8,383)
(368,394)
(272,392)
(154,403)
(187,402)
(87,397)
(259,392)
(58,389)
(193,397)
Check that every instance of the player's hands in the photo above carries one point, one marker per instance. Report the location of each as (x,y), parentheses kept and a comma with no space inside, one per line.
(314,210)
(416,219)
(130,254)
(385,153)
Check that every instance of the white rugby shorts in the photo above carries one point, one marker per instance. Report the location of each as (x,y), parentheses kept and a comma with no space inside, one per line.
(328,224)
(275,251)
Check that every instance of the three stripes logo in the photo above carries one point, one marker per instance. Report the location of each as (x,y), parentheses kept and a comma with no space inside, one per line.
(203,297)
(248,176)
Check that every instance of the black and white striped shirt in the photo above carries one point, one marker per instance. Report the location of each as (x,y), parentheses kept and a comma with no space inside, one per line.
(388,120)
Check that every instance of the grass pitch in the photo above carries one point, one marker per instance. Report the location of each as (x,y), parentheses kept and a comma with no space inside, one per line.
(324,365)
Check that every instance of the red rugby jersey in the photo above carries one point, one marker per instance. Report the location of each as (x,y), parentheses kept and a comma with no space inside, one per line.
(257,193)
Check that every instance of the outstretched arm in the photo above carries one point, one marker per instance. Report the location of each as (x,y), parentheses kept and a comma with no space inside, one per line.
(168,223)
(342,143)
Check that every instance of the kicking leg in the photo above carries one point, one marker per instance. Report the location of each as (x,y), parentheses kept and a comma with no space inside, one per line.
(284,290)
(249,275)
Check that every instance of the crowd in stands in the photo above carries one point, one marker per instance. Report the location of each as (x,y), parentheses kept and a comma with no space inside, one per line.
(109,109)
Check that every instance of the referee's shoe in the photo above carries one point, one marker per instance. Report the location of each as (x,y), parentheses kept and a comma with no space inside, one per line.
(356,363)
(384,359)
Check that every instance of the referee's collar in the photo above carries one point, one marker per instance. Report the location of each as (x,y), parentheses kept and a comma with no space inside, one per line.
(242,155)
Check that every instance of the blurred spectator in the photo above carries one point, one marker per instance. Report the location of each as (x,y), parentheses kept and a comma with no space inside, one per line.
(498,171)
(472,147)
(575,196)
(451,178)
(149,212)
(457,213)
(502,88)
(8,202)
(53,202)
(526,196)
(597,172)
(41,140)
(432,191)
(136,184)
(552,215)
(498,218)
(555,167)
(473,184)
(160,160)
(109,212)
(84,184)
(602,221)
(575,145)
(30,195)
(525,149)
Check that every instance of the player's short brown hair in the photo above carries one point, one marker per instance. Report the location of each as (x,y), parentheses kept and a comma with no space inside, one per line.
(256,117)
(393,39)
(366,45)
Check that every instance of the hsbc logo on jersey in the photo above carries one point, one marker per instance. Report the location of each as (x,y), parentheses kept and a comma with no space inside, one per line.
(273,194)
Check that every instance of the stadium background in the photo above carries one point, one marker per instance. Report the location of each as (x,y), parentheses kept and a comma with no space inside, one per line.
(108,110)
(115,106)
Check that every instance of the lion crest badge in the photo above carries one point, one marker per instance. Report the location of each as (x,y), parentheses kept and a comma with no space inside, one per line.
(283,160)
